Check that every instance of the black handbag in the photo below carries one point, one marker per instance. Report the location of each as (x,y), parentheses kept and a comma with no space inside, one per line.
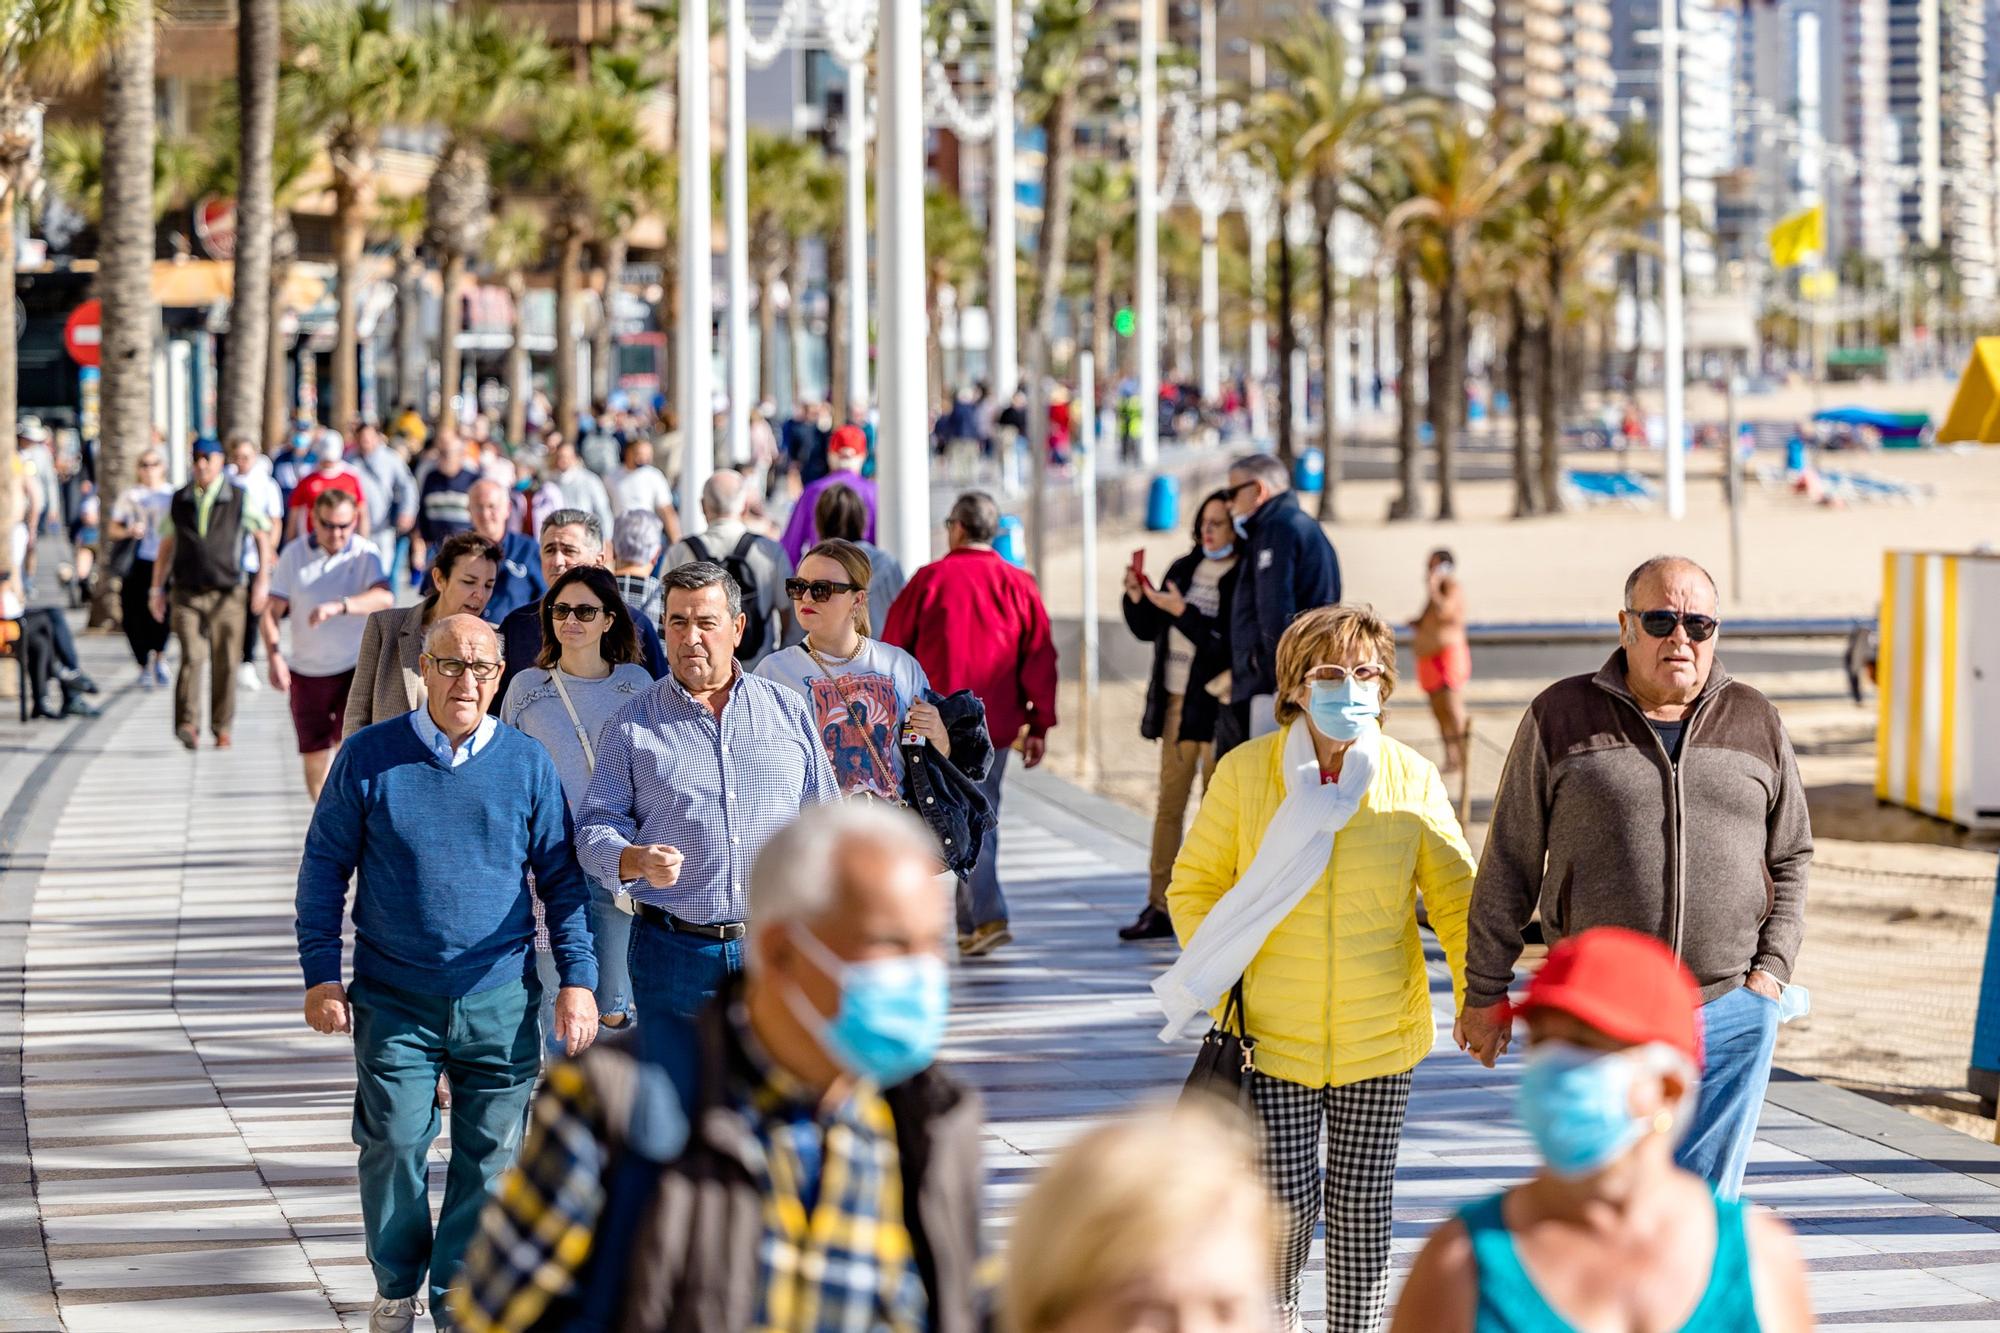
(1223,1065)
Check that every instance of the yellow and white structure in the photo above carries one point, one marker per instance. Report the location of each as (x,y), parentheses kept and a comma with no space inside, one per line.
(1937,738)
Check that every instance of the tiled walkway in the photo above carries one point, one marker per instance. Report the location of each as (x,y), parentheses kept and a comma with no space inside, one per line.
(189,1134)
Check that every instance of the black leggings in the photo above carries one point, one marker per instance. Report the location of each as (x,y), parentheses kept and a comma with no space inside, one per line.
(47,650)
(146,635)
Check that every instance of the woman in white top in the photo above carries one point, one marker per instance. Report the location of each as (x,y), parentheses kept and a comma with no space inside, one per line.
(136,517)
(589,669)
(863,693)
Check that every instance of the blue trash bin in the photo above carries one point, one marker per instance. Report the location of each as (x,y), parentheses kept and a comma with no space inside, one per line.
(1309,472)
(1795,455)
(1163,504)
(1010,544)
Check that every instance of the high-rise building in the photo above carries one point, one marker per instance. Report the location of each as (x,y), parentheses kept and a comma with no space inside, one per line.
(1914,100)
(1854,68)
(1528,60)
(1707,105)
(1590,86)
(1939,106)
(1449,52)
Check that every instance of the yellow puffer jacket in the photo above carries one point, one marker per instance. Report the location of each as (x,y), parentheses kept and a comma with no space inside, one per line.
(1338,993)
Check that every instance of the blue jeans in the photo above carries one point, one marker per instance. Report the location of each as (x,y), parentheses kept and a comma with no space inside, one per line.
(1739,1031)
(674,976)
(610,937)
(486,1042)
(979,897)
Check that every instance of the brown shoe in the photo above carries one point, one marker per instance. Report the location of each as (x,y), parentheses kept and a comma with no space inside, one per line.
(984,940)
(187,737)
(222,740)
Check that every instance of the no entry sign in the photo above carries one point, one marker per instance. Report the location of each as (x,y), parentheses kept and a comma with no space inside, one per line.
(83,336)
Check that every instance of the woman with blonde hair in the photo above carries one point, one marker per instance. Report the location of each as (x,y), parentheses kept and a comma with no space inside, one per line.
(1298,882)
(1150,1223)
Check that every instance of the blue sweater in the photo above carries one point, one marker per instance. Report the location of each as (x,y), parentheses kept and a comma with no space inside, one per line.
(443,855)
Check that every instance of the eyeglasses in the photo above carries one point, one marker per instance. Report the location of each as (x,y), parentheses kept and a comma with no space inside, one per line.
(819,589)
(451,668)
(1332,673)
(332,526)
(1660,624)
(584,614)
(150,462)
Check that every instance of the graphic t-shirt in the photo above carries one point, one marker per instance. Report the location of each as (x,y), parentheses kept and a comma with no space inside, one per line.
(880,683)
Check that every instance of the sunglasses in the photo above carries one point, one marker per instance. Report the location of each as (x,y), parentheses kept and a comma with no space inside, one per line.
(820,590)
(451,668)
(584,614)
(1660,624)
(1334,674)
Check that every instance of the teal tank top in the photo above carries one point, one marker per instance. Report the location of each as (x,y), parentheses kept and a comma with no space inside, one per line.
(1510,1303)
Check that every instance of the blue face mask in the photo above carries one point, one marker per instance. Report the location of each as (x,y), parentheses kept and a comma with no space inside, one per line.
(1576,1105)
(1220,552)
(891,1017)
(1241,524)
(1342,712)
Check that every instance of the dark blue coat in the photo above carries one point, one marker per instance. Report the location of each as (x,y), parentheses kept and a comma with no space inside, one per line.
(1288,566)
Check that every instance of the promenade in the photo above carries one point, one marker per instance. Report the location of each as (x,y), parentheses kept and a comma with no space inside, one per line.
(187,1136)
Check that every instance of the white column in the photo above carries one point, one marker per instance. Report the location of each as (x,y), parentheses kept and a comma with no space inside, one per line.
(1672,356)
(697,297)
(902,438)
(857,233)
(1258,363)
(1211,269)
(736,209)
(1006,371)
(1148,276)
(1086,402)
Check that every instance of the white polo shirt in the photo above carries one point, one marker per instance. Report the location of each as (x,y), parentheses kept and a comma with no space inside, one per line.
(306,576)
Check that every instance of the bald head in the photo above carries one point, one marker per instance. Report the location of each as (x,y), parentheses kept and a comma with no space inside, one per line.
(486,505)
(456,636)
(458,651)
(722,496)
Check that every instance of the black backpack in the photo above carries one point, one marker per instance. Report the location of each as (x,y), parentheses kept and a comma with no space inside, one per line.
(737,562)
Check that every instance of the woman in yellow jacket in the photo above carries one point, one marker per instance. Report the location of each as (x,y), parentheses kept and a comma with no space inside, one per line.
(1336,993)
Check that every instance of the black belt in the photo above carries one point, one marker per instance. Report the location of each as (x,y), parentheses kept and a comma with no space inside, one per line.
(665,920)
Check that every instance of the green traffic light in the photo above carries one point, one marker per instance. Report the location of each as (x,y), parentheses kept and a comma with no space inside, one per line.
(1124,322)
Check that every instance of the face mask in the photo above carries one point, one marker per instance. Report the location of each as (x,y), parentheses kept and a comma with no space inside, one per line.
(1576,1105)
(1342,712)
(1241,524)
(1220,552)
(891,1017)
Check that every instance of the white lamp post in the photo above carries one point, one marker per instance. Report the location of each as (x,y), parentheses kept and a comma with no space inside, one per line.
(857,234)
(1673,369)
(736,212)
(697,331)
(1148,275)
(1000,295)
(903,436)
(1211,268)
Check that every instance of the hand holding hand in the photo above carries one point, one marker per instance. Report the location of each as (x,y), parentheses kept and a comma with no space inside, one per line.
(327,1009)
(576,1018)
(1482,1032)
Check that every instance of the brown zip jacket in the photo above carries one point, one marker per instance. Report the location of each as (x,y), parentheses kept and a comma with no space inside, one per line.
(1597,826)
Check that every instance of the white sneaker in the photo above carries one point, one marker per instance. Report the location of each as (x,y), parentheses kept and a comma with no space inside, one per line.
(398,1316)
(160,672)
(247,678)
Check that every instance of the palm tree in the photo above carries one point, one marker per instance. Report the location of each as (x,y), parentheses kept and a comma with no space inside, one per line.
(46,46)
(258,30)
(1458,182)
(73,165)
(954,257)
(1106,224)
(1059,45)
(475,71)
(125,247)
(401,221)
(514,245)
(779,169)
(1375,197)
(633,180)
(813,215)
(351,71)
(1273,131)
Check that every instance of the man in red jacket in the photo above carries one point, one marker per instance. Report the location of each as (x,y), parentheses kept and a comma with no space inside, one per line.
(974,622)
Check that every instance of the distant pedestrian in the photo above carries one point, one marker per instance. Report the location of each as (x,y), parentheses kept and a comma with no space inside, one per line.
(581,488)
(519,580)
(841,515)
(388,676)
(975,622)
(136,519)
(446,825)
(757,563)
(588,670)
(640,485)
(442,503)
(570,537)
(330,582)
(1663,796)
(1609,1233)
(201,551)
(1444,654)
(636,542)
(1299,882)
(804,1165)
(392,495)
(1186,619)
(692,778)
(329,472)
(250,471)
(846,455)
(1288,567)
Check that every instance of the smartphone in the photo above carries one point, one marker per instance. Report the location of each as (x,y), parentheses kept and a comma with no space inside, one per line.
(1139,567)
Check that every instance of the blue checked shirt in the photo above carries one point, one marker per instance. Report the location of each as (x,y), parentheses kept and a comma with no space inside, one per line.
(714,789)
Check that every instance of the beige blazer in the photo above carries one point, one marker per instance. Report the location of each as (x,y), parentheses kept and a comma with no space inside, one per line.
(386,679)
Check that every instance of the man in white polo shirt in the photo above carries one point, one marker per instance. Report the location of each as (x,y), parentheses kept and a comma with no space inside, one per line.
(330,581)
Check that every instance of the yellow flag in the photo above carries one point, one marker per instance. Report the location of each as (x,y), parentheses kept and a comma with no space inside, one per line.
(1797,236)
(1819,285)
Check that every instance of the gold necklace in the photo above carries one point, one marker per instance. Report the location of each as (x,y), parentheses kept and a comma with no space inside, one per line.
(823,658)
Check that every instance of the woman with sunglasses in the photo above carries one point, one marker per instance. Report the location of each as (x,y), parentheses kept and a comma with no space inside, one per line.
(590,668)
(864,693)
(1298,883)
(135,518)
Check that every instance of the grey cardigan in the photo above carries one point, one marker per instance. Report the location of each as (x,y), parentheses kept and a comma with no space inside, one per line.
(386,680)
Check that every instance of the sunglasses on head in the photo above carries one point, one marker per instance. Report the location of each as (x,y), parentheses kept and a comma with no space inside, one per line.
(561,611)
(1660,624)
(819,590)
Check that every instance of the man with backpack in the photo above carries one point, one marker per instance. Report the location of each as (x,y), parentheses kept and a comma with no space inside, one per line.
(758,564)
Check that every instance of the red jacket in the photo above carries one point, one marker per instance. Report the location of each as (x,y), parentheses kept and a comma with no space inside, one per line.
(974,622)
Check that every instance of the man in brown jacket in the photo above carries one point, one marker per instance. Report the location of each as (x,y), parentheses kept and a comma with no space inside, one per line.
(1662,796)
(792,1161)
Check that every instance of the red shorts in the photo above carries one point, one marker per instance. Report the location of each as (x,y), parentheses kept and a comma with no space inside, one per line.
(319,705)
(1448,669)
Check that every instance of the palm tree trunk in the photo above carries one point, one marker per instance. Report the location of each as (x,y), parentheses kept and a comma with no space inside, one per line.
(1051,256)
(519,376)
(1548,408)
(1409,465)
(10,493)
(837,350)
(450,313)
(1100,310)
(569,283)
(603,343)
(1288,341)
(1451,317)
(350,234)
(795,327)
(1517,377)
(410,358)
(243,370)
(1329,331)
(125,258)
(767,336)
(277,399)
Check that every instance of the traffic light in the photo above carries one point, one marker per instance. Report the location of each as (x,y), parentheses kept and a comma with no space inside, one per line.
(1124,322)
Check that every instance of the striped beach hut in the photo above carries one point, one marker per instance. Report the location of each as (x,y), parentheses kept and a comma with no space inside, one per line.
(1937,737)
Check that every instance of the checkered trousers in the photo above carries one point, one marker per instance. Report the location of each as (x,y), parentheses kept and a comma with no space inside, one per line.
(1352,1180)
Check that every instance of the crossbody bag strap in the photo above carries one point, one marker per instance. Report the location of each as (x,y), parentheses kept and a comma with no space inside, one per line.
(582,734)
(867,732)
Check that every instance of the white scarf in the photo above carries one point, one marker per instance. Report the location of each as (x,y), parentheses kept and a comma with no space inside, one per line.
(1297,846)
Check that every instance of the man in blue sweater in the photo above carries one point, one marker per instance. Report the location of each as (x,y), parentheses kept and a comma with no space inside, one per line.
(441,817)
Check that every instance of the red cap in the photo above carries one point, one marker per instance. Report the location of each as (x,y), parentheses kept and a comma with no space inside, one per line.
(1626,985)
(848,440)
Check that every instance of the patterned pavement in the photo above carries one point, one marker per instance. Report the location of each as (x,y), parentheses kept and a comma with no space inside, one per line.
(190,1159)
